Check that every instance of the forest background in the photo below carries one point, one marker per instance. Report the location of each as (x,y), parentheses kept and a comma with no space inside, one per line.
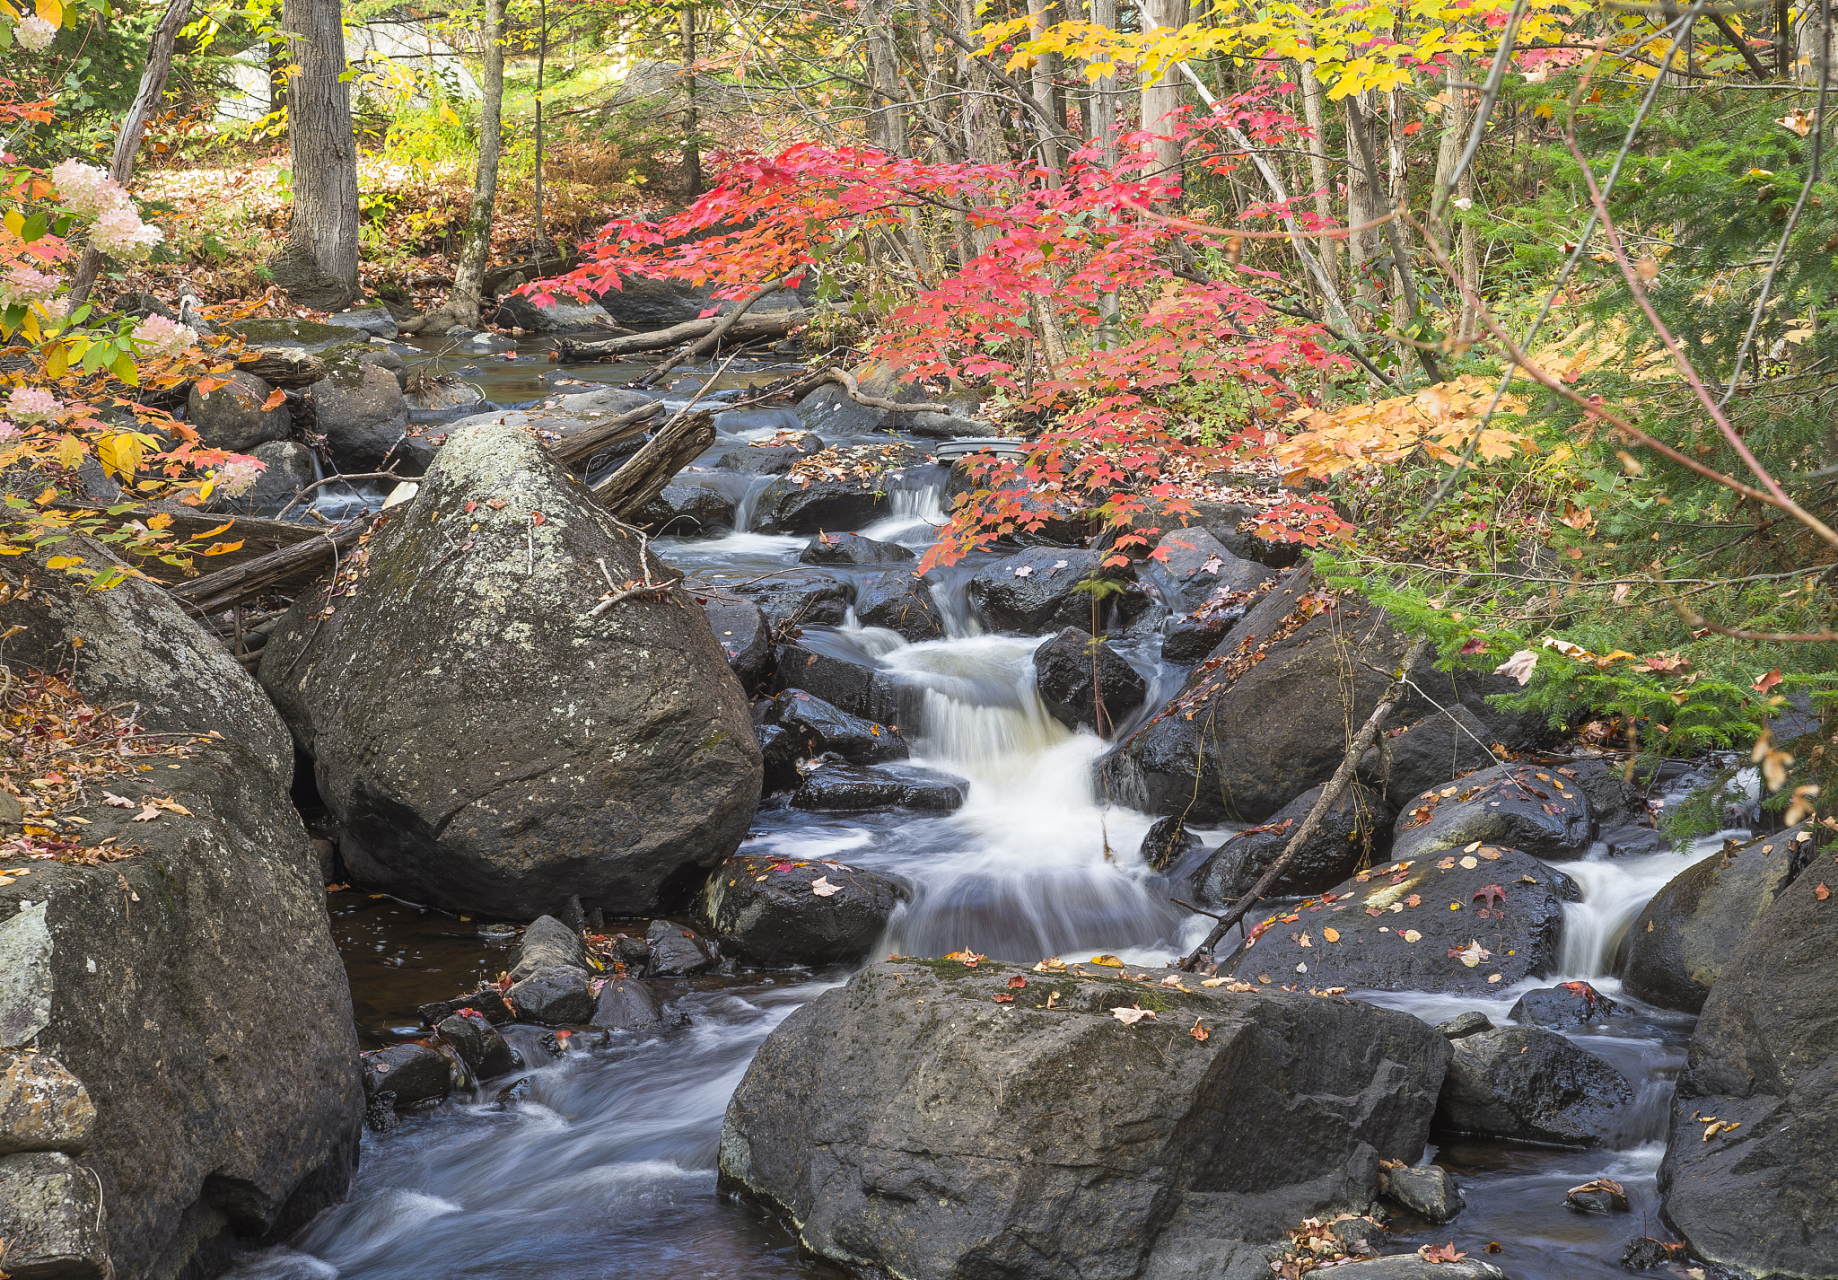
(1519,314)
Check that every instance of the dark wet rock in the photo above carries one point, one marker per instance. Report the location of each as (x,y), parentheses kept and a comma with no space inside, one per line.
(780,751)
(800,598)
(829,409)
(1234,524)
(479,1044)
(515,1093)
(902,603)
(851,548)
(1522,933)
(1529,808)
(1176,1148)
(1350,834)
(1035,591)
(688,508)
(675,951)
(1410,1266)
(203,968)
(554,996)
(546,943)
(287,468)
(1201,567)
(233,417)
(42,1106)
(1634,842)
(608,757)
(1440,746)
(1465,1024)
(853,685)
(1084,683)
(643,303)
(744,635)
(487,1001)
(1532,1085)
(380,1112)
(770,458)
(1615,801)
(1264,718)
(564,315)
(1427,1190)
(1190,638)
(1167,842)
(845,788)
(53,1219)
(628,1004)
(840,488)
(359,409)
(1599,1195)
(533,1046)
(1572,1004)
(1677,947)
(1647,1254)
(819,727)
(413,1072)
(944,426)
(375,321)
(1763,1198)
(815,913)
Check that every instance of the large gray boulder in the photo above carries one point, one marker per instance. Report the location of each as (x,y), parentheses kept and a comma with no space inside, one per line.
(1677,947)
(234,417)
(1532,809)
(359,408)
(1532,1085)
(487,742)
(1084,682)
(1038,591)
(1760,1193)
(942,1122)
(192,990)
(1200,567)
(806,912)
(1265,716)
(1394,929)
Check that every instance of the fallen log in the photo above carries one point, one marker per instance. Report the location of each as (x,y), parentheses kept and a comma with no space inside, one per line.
(749,328)
(298,564)
(281,367)
(646,473)
(584,444)
(712,340)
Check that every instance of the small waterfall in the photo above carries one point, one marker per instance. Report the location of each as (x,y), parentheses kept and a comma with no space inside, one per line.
(916,513)
(749,502)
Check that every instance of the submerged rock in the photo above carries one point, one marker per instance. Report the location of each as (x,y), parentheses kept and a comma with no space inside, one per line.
(1167,842)
(1084,683)
(413,1072)
(628,1004)
(1388,942)
(478,1044)
(609,757)
(1427,1190)
(936,1121)
(851,548)
(1573,1004)
(1349,835)
(817,727)
(1757,1192)
(844,788)
(804,598)
(776,912)
(1677,947)
(1532,1085)
(853,684)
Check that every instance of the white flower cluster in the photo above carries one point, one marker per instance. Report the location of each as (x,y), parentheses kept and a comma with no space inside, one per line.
(158,336)
(237,476)
(23,284)
(34,33)
(117,229)
(32,404)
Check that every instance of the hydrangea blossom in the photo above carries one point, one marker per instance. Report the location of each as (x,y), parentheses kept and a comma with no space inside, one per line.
(30,404)
(86,190)
(8,432)
(158,336)
(237,476)
(120,233)
(34,33)
(23,284)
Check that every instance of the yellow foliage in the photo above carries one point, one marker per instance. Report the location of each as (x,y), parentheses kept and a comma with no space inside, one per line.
(1439,420)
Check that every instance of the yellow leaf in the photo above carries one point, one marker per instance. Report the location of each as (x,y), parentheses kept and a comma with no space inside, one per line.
(222,528)
(161,521)
(222,548)
(51,11)
(120,454)
(63,562)
(57,363)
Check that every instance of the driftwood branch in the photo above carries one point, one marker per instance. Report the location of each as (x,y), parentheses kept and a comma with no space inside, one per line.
(747,328)
(584,444)
(297,564)
(1330,795)
(646,472)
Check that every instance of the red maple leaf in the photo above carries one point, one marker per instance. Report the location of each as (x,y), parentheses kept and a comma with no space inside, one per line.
(1491,892)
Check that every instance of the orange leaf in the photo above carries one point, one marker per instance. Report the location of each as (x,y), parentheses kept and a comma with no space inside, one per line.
(275,400)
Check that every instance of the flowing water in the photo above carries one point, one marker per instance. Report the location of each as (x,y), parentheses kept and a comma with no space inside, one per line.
(607,1168)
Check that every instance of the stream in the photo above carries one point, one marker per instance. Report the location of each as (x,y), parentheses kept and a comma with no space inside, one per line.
(608,1168)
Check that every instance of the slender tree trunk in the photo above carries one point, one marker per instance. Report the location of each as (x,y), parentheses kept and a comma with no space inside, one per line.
(1045,13)
(1363,205)
(887,120)
(1104,89)
(540,249)
(1162,96)
(692,123)
(462,304)
(1396,193)
(318,264)
(127,139)
(1318,173)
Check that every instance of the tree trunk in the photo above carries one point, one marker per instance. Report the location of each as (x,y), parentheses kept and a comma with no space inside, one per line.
(1044,14)
(887,123)
(1318,173)
(1104,89)
(692,152)
(318,264)
(1162,96)
(1363,205)
(462,304)
(127,140)
(540,249)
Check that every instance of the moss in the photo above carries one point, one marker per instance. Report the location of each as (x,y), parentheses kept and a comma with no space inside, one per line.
(295,333)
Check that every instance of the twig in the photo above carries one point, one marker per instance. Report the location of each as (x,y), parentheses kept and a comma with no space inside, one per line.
(1330,794)
(1198,911)
(712,339)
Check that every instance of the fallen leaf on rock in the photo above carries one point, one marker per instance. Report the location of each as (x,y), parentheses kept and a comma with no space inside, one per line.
(1051,965)
(1108,961)
(1024,571)
(1052,998)
(1441,1252)
(1017,982)
(968,958)
(1411,935)
(1302,940)
(1470,955)
(170,806)
(822,887)
(1616,1193)
(1447,864)
(1415,900)
(1334,991)
(1332,935)
(1493,977)
(1005,999)
(1198,1032)
(147,814)
(1131,1016)
(1214,982)
(119,802)
(1492,893)
(1473,847)
(1821,893)
(1469,864)
(1264,978)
